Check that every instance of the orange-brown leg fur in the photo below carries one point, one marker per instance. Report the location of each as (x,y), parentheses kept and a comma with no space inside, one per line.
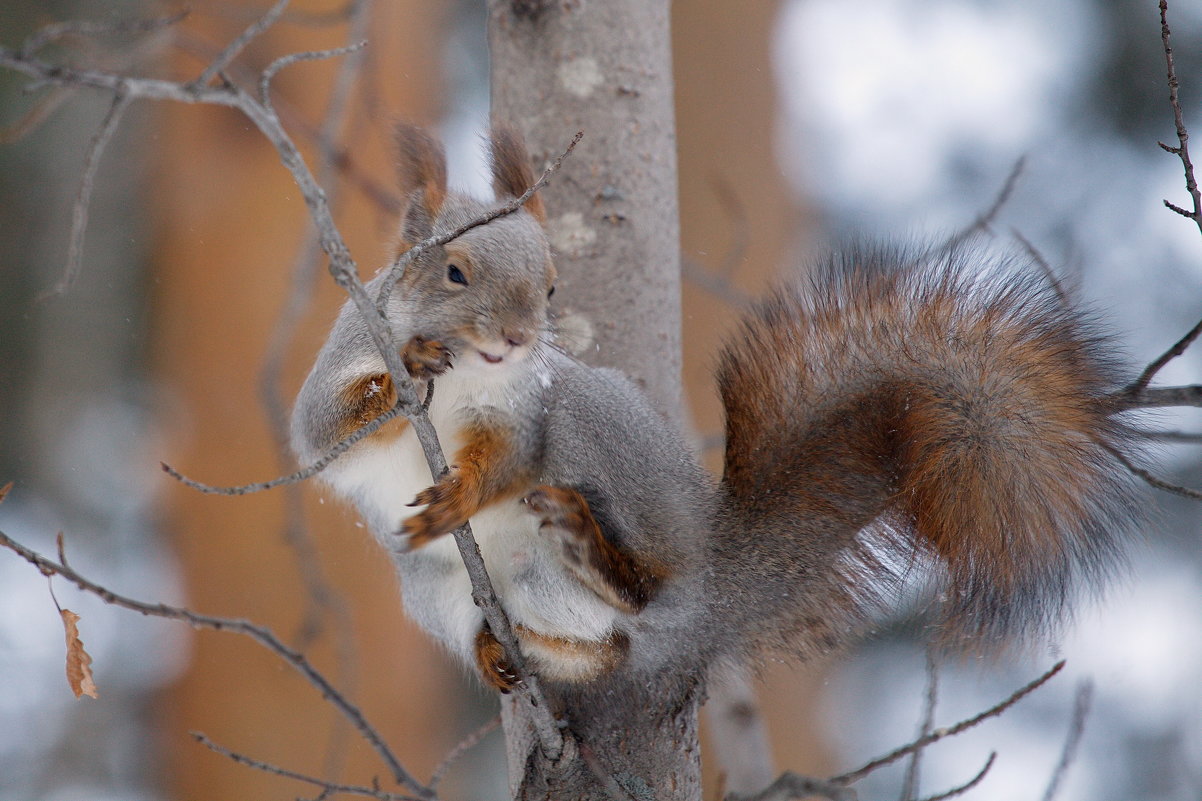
(484,472)
(614,576)
(366,399)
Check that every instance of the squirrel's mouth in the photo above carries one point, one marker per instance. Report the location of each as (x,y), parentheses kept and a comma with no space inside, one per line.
(488,357)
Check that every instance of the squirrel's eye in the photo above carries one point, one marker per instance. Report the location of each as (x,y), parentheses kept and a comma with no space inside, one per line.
(455,275)
(551,291)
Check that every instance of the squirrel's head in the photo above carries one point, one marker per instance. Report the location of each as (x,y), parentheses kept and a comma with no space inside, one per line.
(486,293)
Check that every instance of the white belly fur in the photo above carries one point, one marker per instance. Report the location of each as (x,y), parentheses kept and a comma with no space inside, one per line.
(381,478)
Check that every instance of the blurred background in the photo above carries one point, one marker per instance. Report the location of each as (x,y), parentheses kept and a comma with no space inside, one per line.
(802,123)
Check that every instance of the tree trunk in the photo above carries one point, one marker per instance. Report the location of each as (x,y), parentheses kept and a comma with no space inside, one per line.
(562,66)
(558,67)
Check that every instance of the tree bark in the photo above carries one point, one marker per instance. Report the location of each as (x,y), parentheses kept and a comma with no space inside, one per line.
(561,66)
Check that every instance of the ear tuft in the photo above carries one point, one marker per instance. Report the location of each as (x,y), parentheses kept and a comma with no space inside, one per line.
(511,173)
(421,169)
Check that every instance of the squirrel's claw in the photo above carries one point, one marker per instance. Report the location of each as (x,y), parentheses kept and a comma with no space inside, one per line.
(442,515)
(426,358)
(490,659)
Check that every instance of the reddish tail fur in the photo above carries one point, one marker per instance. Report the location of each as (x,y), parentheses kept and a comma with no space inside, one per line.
(966,411)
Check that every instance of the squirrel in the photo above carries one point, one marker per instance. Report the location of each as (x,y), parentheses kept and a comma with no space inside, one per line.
(891,408)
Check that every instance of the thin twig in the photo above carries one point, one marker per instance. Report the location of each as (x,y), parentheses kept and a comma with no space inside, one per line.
(36,115)
(58,30)
(1182,149)
(327,787)
(1043,265)
(79,211)
(984,221)
(1155,367)
(1174,436)
(466,744)
(790,786)
(971,783)
(1156,397)
(231,51)
(911,780)
(260,634)
(311,19)
(396,269)
(939,734)
(284,61)
(1075,730)
(1152,480)
(300,475)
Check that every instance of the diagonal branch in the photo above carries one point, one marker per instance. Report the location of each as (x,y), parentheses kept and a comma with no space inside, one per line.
(939,734)
(231,51)
(327,787)
(300,475)
(79,211)
(260,634)
(1076,729)
(1182,148)
(274,67)
(968,785)
(58,30)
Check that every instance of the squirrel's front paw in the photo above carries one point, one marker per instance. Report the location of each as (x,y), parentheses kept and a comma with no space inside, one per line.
(442,515)
(426,358)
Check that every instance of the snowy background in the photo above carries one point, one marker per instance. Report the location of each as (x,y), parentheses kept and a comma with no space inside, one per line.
(900,118)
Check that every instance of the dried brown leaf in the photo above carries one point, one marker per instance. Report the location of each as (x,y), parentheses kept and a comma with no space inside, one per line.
(4,491)
(79,663)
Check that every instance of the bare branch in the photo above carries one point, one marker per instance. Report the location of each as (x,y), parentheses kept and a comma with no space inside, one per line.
(1182,149)
(1155,367)
(791,786)
(971,783)
(292,58)
(1043,265)
(58,30)
(231,51)
(466,744)
(36,115)
(910,782)
(300,475)
(1152,480)
(398,267)
(79,211)
(327,787)
(939,734)
(1175,436)
(982,223)
(1075,730)
(259,634)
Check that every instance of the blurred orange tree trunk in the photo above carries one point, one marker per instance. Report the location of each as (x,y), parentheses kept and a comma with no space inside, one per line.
(740,225)
(220,285)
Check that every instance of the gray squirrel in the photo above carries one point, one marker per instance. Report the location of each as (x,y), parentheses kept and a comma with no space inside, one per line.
(890,408)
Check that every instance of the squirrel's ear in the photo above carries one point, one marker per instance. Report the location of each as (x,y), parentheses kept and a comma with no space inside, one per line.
(511,173)
(422,174)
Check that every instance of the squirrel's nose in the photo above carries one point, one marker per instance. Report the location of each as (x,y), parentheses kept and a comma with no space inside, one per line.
(516,338)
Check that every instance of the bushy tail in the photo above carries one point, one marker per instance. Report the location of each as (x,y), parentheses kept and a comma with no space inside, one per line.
(949,406)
